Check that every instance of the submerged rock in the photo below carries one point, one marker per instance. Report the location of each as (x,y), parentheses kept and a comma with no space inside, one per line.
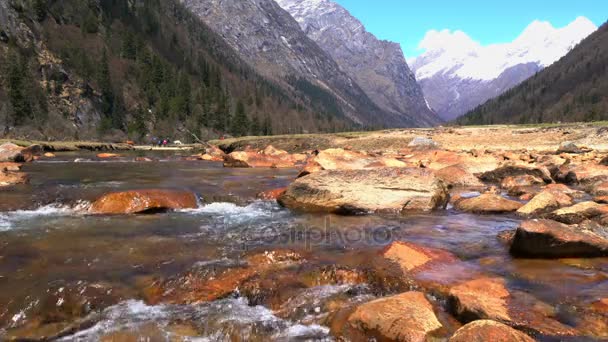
(142,201)
(489,298)
(487,330)
(487,204)
(365,191)
(405,317)
(550,239)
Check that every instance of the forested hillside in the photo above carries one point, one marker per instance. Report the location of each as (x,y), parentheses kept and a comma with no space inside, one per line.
(573,89)
(133,69)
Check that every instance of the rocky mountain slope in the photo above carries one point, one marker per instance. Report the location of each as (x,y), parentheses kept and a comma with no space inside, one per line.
(457,73)
(269,39)
(379,67)
(122,69)
(573,89)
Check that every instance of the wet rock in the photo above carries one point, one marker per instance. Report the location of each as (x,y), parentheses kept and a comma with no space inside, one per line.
(412,258)
(11,153)
(267,158)
(550,239)
(143,160)
(8,178)
(487,330)
(271,195)
(212,283)
(423,143)
(215,153)
(49,155)
(143,201)
(488,298)
(107,155)
(544,202)
(457,176)
(10,166)
(364,191)
(514,170)
(31,153)
(405,317)
(578,212)
(487,204)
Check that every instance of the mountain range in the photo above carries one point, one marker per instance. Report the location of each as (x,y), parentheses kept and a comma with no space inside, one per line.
(457,73)
(573,89)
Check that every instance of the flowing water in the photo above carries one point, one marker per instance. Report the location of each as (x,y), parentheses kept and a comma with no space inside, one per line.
(53,255)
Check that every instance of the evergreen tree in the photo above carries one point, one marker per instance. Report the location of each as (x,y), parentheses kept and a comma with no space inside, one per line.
(240,122)
(17,88)
(267,127)
(255,126)
(39,7)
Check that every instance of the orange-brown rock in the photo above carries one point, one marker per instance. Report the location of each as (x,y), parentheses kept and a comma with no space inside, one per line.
(489,298)
(10,166)
(600,189)
(579,212)
(405,317)
(142,201)
(550,239)
(107,155)
(487,204)
(11,153)
(458,176)
(601,199)
(340,159)
(365,191)
(585,173)
(143,159)
(49,155)
(486,330)
(12,178)
(515,169)
(271,194)
(545,201)
(270,157)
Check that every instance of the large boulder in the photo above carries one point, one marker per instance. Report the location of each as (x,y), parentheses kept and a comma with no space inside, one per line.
(405,317)
(489,298)
(340,159)
(11,153)
(579,212)
(550,239)
(364,191)
(487,330)
(487,204)
(143,201)
(515,169)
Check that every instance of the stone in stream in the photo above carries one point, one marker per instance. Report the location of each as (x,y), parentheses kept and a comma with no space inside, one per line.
(488,330)
(516,185)
(545,201)
(489,298)
(10,166)
(398,190)
(579,212)
(107,155)
(586,173)
(458,176)
(271,195)
(487,204)
(270,157)
(142,201)
(516,169)
(340,159)
(8,178)
(405,317)
(550,239)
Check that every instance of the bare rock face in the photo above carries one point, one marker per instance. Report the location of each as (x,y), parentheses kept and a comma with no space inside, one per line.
(365,191)
(379,67)
(270,40)
(489,298)
(488,204)
(487,330)
(405,317)
(142,201)
(550,239)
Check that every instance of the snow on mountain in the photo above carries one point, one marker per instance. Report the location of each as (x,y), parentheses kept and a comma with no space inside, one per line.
(378,66)
(457,73)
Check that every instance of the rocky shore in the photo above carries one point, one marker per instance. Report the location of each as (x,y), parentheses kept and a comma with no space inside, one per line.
(558,188)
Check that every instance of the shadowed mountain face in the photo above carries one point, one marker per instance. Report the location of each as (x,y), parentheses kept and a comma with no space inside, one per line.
(379,67)
(573,89)
(272,41)
(457,73)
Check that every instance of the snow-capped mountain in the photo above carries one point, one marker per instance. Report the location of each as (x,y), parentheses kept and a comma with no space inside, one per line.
(379,67)
(458,73)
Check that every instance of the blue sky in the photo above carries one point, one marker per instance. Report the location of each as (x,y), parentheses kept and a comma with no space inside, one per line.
(489,21)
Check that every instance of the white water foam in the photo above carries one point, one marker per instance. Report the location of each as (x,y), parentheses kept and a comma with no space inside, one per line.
(217,321)
(230,213)
(9,219)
